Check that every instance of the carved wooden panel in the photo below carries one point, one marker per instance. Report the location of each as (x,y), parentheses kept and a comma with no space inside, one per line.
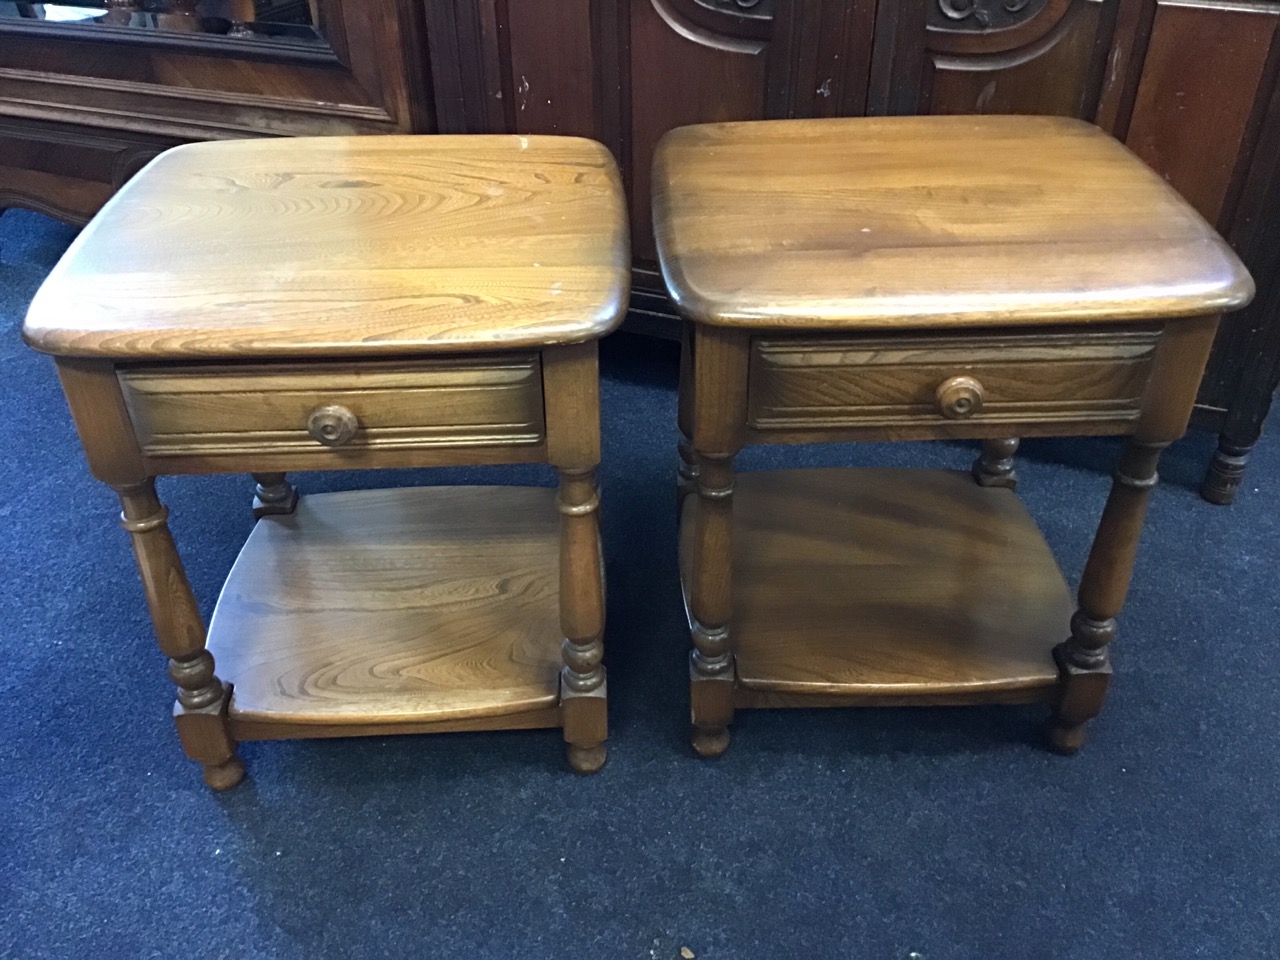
(982,15)
(992,56)
(761,9)
(1042,59)
(734,18)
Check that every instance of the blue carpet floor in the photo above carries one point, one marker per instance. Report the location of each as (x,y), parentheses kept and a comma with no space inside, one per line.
(930,834)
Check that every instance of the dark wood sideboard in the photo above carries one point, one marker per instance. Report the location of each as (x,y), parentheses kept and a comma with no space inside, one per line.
(1192,85)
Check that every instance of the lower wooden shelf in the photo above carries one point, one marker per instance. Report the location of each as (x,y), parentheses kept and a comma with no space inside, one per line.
(432,608)
(888,587)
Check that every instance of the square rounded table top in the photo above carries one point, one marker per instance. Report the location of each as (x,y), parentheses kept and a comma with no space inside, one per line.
(346,246)
(898,222)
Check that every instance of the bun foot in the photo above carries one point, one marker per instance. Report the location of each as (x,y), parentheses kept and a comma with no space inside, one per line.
(224,776)
(587,759)
(1066,738)
(1222,482)
(711,742)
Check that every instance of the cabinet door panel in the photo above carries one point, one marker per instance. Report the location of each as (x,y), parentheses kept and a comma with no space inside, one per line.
(1050,75)
(683,73)
(1206,116)
(993,56)
(529,66)
(553,68)
(1197,109)
(357,76)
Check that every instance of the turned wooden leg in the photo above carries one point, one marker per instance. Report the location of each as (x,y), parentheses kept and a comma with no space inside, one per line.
(994,468)
(711,668)
(1256,384)
(1084,663)
(273,496)
(583,690)
(200,712)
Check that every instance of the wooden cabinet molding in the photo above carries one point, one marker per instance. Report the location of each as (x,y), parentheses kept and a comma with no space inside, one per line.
(192,87)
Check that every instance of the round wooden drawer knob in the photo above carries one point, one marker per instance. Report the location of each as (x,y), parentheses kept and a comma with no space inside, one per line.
(960,397)
(333,426)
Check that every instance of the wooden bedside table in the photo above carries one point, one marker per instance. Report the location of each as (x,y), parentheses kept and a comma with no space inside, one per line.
(905,279)
(353,303)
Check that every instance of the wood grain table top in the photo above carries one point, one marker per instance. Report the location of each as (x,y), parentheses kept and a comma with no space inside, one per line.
(346,246)
(896,222)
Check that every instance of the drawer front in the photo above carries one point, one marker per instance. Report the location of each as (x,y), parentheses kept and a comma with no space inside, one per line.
(1089,379)
(333,409)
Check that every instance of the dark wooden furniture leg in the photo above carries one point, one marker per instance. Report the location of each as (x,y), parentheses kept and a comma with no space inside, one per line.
(994,468)
(1226,469)
(1083,659)
(200,712)
(571,382)
(1249,409)
(273,495)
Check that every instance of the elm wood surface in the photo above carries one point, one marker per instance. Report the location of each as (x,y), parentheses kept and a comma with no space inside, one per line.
(892,585)
(724,384)
(394,606)
(474,398)
(877,223)
(346,247)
